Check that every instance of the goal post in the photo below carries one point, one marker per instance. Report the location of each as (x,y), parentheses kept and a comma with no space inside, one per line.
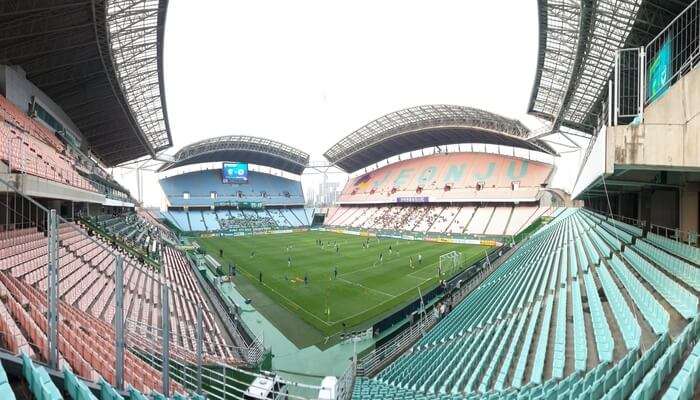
(449,264)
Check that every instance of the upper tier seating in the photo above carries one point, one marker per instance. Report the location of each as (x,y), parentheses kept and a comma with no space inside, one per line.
(261,187)
(11,114)
(450,177)
(29,147)
(555,322)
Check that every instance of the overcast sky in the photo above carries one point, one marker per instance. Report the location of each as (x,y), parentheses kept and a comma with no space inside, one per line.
(307,73)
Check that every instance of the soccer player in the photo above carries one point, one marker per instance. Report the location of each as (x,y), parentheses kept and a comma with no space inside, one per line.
(337,249)
(260,276)
(335,272)
(289,261)
(420,259)
(410,261)
(221,253)
(306,279)
(389,249)
(381,257)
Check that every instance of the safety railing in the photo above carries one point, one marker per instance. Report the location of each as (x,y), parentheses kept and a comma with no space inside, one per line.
(216,380)
(370,363)
(346,382)
(676,234)
(640,223)
(16,152)
(643,74)
(373,361)
(31,240)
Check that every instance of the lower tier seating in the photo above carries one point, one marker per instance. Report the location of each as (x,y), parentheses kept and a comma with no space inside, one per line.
(86,290)
(574,313)
(470,220)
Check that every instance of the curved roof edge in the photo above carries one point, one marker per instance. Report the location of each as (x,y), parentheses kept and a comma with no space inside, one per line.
(576,53)
(425,126)
(242,148)
(135,33)
(100,62)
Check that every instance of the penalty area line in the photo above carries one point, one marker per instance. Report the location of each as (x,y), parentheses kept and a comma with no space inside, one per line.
(365,287)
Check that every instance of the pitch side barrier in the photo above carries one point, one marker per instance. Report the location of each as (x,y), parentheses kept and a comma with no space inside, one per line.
(228,313)
(441,291)
(393,234)
(250,232)
(451,293)
(410,235)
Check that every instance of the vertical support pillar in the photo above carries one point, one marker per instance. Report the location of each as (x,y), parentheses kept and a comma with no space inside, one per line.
(52,230)
(166,340)
(200,348)
(611,102)
(642,82)
(616,76)
(139,197)
(119,322)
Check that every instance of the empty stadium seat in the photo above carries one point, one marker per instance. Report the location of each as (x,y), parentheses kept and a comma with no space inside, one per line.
(529,315)
(271,190)
(6,392)
(460,172)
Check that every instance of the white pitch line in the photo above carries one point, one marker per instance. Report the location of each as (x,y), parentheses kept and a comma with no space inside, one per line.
(388,300)
(368,288)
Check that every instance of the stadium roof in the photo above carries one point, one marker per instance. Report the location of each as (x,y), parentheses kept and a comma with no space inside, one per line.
(577,44)
(250,149)
(101,62)
(425,126)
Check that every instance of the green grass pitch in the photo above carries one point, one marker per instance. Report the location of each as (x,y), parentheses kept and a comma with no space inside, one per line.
(364,290)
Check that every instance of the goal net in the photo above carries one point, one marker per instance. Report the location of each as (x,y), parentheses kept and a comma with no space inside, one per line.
(449,263)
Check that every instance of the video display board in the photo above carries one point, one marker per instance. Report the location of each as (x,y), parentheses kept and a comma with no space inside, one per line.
(235,172)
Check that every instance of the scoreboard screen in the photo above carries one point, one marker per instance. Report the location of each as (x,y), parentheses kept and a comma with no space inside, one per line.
(235,172)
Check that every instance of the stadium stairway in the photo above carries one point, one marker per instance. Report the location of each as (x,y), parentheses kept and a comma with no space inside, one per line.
(587,308)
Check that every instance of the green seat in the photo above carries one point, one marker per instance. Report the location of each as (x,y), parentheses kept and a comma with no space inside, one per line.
(76,389)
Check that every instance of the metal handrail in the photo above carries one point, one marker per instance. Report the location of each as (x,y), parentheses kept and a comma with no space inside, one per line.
(679,40)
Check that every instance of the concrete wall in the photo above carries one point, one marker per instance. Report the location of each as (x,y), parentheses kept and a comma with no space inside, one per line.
(690,203)
(668,139)
(669,135)
(38,187)
(16,88)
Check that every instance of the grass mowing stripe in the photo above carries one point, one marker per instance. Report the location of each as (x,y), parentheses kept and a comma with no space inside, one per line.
(361,293)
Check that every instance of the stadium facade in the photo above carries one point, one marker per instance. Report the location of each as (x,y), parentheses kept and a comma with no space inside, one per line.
(477,179)
(214,201)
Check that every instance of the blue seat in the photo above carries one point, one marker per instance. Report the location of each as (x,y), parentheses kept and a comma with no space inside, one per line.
(631,332)
(680,249)
(652,311)
(76,389)
(40,384)
(5,389)
(679,297)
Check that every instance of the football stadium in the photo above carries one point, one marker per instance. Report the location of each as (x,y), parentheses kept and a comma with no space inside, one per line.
(458,256)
